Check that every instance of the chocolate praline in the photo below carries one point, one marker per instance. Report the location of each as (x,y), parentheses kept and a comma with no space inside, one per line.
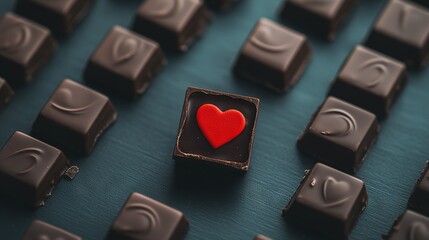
(30,169)
(224,114)
(25,47)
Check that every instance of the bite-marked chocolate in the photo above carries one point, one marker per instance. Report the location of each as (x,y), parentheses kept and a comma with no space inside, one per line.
(175,24)
(61,16)
(340,135)
(322,17)
(327,201)
(124,62)
(143,218)
(402,32)
(39,230)
(409,226)
(6,93)
(370,80)
(24,47)
(419,199)
(273,56)
(74,117)
(29,169)
(192,144)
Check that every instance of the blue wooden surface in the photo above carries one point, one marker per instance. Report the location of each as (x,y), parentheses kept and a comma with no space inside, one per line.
(136,153)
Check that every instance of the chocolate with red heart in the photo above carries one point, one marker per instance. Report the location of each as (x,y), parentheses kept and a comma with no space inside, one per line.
(410,225)
(217,128)
(328,201)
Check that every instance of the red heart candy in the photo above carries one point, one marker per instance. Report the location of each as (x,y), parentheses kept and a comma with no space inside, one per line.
(219,127)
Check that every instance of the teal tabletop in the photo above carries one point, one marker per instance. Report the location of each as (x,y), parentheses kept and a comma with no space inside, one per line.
(135,154)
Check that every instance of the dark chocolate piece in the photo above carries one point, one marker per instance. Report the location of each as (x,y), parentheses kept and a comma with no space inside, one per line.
(217,128)
(175,24)
(410,226)
(327,201)
(322,17)
(61,16)
(39,230)
(221,4)
(24,47)
(370,80)
(124,62)
(273,56)
(142,218)
(29,169)
(74,117)
(6,93)
(419,200)
(261,237)
(340,135)
(402,31)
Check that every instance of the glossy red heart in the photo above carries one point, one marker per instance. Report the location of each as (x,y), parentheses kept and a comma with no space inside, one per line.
(219,127)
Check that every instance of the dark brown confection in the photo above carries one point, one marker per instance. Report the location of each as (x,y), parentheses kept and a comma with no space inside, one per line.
(29,169)
(419,200)
(124,62)
(323,18)
(224,114)
(328,202)
(175,24)
(221,4)
(402,31)
(142,218)
(340,135)
(261,237)
(370,80)
(273,56)
(6,93)
(42,231)
(24,47)
(410,225)
(74,117)
(61,16)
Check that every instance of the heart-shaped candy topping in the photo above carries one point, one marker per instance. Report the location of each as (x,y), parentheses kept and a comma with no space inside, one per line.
(220,127)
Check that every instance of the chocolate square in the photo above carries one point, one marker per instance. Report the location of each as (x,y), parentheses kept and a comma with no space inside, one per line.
(124,62)
(370,80)
(419,199)
(74,117)
(340,135)
(273,56)
(61,16)
(402,31)
(410,225)
(43,231)
(6,93)
(328,201)
(24,47)
(29,169)
(221,114)
(175,24)
(144,218)
(324,18)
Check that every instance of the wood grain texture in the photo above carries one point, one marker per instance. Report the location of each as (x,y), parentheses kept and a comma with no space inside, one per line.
(136,153)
